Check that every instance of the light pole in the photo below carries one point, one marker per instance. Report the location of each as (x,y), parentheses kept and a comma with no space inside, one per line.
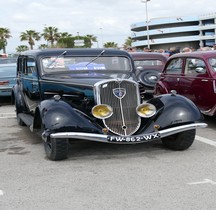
(101,29)
(147,22)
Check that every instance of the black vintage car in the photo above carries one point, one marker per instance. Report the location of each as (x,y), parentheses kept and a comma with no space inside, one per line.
(93,94)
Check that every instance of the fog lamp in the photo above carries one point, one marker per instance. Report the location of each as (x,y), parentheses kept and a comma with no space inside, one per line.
(102,111)
(146,110)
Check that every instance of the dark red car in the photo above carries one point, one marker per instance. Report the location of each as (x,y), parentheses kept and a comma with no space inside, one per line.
(192,75)
(148,66)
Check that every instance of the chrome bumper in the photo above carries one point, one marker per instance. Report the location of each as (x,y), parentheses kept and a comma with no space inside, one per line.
(127,139)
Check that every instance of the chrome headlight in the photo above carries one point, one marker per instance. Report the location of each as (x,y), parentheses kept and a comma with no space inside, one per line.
(102,111)
(146,110)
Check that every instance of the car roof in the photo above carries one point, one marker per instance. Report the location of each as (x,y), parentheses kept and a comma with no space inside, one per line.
(148,55)
(196,54)
(76,51)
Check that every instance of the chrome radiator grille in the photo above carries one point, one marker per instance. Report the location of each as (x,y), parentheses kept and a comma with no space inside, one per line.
(123,97)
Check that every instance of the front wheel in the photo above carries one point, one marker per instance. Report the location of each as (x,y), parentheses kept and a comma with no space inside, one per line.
(180,141)
(56,149)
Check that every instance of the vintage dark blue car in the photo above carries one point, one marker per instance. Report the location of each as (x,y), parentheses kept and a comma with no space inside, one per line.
(93,94)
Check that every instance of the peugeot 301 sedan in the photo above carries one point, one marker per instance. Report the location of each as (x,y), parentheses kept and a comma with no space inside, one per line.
(93,94)
(192,75)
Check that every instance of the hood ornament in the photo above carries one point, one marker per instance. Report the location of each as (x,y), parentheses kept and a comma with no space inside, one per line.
(119,92)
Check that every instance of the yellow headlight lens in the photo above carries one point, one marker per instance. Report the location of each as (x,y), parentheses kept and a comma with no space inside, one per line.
(102,111)
(146,110)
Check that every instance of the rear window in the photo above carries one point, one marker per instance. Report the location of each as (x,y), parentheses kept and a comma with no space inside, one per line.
(7,71)
(149,63)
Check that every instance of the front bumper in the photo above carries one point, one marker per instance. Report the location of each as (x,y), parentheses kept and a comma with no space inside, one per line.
(125,139)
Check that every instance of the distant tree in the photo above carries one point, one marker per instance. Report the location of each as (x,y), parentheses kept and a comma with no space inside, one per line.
(91,38)
(4,35)
(128,42)
(31,36)
(65,35)
(22,48)
(110,45)
(65,40)
(51,34)
(43,46)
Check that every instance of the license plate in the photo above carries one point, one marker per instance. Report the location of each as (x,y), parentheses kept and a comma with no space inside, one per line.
(142,138)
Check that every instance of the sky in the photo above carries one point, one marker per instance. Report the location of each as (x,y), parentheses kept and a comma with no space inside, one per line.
(108,20)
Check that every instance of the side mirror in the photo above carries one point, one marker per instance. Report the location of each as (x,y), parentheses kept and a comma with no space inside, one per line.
(200,70)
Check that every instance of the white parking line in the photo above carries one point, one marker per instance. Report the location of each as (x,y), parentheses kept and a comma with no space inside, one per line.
(205,181)
(205,140)
(7,115)
(1,192)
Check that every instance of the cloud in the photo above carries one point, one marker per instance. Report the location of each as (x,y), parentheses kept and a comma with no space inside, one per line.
(110,18)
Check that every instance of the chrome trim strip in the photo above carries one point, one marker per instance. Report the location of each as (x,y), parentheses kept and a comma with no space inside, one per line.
(103,138)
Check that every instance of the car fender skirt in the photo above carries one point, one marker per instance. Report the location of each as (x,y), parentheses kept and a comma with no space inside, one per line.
(144,137)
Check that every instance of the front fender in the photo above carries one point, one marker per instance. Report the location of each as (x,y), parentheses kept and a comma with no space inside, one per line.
(160,88)
(174,110)
(58,116)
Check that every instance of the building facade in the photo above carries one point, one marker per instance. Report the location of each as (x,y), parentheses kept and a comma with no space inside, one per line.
(180,32)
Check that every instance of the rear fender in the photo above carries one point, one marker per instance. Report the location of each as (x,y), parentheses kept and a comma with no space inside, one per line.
(58,115)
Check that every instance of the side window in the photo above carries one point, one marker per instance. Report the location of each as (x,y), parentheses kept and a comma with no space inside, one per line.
(194,67)
(175,66)
(30,66)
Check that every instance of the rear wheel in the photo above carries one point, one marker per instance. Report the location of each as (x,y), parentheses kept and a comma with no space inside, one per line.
(180,141)
(56,149)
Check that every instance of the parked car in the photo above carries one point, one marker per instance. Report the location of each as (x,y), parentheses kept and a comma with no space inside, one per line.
(7,78)
(7,60)
(192,75)
(93,94)
(148,68)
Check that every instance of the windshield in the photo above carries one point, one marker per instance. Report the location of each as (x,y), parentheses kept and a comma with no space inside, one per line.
(80,64)
(212,62)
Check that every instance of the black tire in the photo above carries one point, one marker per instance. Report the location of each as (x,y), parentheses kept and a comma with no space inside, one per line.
(56,149)
(180,141)
(149,77)
(19,121)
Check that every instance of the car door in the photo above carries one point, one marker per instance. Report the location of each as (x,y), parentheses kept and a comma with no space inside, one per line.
(195,83)
(171,75)
(29,82)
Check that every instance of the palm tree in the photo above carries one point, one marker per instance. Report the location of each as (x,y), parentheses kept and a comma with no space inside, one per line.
(4,35)
(111,45)
(91,38)
(30,36)
(51,34)
(22,48)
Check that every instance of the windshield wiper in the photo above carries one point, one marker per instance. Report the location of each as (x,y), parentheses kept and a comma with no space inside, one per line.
(56,59)
(101,53)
